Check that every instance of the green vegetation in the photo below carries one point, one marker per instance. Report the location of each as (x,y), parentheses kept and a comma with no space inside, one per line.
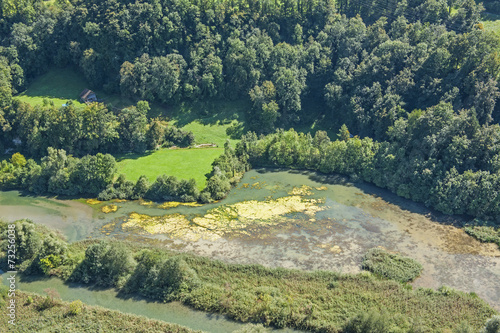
(391,266)
(417,79)
(78,317)
(181,163)
(317,301)
(443,180)
(57,85)
(415,83)
(210,120)
(491,22)
(94,175)
(487,234)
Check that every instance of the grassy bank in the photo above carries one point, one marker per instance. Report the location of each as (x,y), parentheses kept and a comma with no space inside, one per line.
(210,121)
(486,234)
(32,316)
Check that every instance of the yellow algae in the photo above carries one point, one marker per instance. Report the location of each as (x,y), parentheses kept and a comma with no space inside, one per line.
(109,209)
(119,200)
(93,201)
(264,210)
(145,202)
(169,204)
(226,219)
(334,249)
(238,216)
(257,186)
(321,188)
(175,225)
(303,190)
(191,204)
(173,204)
(108,227)
(245,185)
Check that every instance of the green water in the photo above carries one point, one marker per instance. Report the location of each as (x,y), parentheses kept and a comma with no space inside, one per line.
(170,312)
(354,219)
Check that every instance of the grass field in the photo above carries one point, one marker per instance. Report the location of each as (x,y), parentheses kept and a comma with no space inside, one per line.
(208,121)
(491,22)
(62,84)
(182,163)
(57,86)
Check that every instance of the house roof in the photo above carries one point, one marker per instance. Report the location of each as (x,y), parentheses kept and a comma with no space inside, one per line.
(86,93)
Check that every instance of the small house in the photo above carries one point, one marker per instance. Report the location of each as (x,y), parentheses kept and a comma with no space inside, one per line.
(88,96)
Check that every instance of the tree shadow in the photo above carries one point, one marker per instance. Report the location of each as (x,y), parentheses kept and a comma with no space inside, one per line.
(210,112)
(412,206)
(132,156)
(384,194)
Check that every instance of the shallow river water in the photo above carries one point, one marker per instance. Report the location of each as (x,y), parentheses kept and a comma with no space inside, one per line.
(350,219)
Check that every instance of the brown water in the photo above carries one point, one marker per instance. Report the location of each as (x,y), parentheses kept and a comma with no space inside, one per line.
(354,219)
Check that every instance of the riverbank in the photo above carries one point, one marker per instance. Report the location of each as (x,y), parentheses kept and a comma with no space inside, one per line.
(318,301)
(61,316)
(356,218)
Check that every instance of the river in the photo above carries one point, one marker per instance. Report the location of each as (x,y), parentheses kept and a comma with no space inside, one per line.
(352,219)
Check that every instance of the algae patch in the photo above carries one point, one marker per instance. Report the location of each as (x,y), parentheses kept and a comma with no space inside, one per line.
(93,201)
(109,209)
(173,204)
(334,249)
(175,225)
(303,190)
(224,220)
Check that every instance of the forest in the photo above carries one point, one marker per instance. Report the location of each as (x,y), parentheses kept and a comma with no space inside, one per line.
(415,83)
(400,94)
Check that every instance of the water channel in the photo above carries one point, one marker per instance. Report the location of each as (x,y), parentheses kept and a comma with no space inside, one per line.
(349,220)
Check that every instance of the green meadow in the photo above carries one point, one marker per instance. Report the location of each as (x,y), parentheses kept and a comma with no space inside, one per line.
(57,86)
(211,122)
(491,21)
(181,163)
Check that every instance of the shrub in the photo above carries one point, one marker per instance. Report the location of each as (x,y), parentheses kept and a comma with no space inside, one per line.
(391,266)
(49,262)
(492,325)
(485,234)
(371,322)
(49,301)
(176,276)
(75,307)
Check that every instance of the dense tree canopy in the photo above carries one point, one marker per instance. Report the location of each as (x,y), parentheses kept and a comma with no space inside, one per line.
(415,82)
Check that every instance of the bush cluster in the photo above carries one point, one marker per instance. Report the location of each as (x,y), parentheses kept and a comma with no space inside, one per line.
(391,266)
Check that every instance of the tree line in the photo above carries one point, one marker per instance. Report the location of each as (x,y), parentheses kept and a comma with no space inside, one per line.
(87,129)
(95,176)
(365,62)
(435,156)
